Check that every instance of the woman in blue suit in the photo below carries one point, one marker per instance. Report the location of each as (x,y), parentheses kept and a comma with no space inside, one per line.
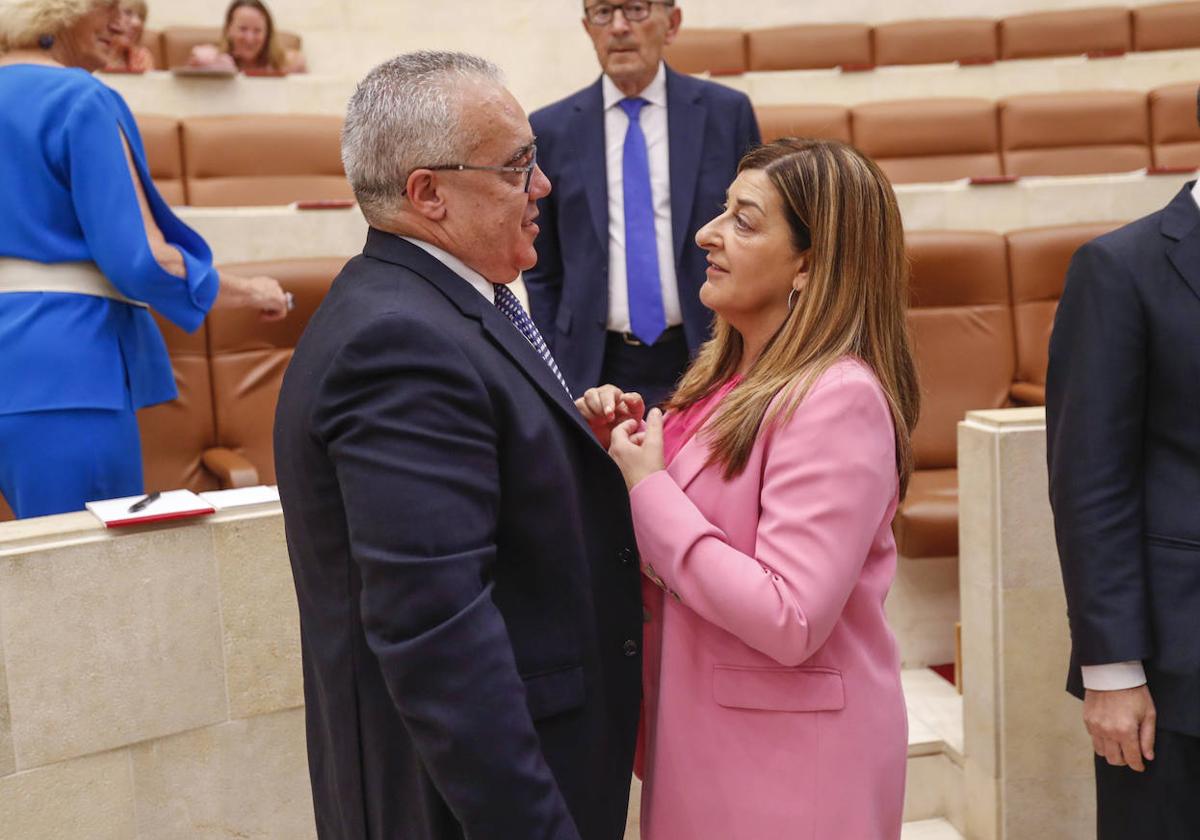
(86,245)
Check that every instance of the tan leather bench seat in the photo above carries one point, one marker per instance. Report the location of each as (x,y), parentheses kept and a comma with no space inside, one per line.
(1166,26)
(721,52)
(153,41)
(1037,264)
(809,46)
(160,136)
(966,40)
(263,159)
(1083,133)
(828,122)
(1174,132)
(1103,29)
(929,139)
(926,524)
(178,41)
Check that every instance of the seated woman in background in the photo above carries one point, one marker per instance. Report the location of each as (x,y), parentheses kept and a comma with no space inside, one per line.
(763,510)
(248,42)
(128,54)
(87,248)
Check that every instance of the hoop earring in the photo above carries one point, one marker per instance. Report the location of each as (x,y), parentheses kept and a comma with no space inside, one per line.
(46,41)
(791,300)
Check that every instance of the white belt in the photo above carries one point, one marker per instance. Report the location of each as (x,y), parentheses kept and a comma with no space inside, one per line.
(80,278)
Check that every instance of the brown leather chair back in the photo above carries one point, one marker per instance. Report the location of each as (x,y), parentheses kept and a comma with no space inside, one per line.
(1075,133)
(969,40)
(248,357)
(929,139)
(829,122)
(153,41)
(164,155)
(721,52)
(1167,26)
(809,46)
(1105,29)
(263,159)
(1037,262)
(961,330)
(176,434)
(6,514)
(177,42)
(1174,131)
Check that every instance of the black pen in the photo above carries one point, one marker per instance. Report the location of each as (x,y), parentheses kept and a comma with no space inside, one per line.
(144,502)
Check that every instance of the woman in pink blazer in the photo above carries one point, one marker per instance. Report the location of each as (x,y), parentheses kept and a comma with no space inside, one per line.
(763,509)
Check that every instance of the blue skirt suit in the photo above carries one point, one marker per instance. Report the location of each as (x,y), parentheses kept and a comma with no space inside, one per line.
(74,367)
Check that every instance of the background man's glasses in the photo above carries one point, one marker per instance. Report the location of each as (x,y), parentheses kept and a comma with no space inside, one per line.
(634,11)
(526,169)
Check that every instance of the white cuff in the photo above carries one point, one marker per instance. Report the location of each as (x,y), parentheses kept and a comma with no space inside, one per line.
(1114,677)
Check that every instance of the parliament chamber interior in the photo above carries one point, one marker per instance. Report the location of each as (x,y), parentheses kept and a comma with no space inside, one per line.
(1013,132)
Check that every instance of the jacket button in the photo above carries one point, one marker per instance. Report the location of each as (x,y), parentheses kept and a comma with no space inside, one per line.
(626,556)
(631,647)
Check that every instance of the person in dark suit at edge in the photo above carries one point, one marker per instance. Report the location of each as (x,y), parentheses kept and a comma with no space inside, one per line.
(462,546)
(1123,445)
(640,160)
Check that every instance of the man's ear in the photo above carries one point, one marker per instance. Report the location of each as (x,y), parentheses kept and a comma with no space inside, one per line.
(676,18)
(424,196)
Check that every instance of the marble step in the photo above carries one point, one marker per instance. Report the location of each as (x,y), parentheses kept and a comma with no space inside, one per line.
(929,830)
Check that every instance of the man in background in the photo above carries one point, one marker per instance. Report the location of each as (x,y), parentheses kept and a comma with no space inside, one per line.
(640,160)
(462,547)
(1123,443)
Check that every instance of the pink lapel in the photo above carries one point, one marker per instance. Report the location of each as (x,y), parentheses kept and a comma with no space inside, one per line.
(689,461)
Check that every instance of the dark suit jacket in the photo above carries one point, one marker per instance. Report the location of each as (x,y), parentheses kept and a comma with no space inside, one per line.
(463,557)
(709,128)
(1123,443)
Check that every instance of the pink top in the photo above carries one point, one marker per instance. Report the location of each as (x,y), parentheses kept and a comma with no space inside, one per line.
(679,427)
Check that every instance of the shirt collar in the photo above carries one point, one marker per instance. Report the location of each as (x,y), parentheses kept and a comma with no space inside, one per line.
(477,280)
(1196,192)
(655,92)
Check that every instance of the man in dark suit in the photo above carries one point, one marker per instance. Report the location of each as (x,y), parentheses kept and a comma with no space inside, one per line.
(462,547)
(640,160)
(1123,443)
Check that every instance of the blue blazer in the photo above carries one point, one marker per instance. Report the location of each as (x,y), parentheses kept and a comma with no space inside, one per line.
(1123,443)
(464,557)
(710,127)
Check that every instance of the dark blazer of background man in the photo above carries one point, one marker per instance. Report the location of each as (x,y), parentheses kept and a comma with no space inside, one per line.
(1123,424)
(578,288)
(461,545)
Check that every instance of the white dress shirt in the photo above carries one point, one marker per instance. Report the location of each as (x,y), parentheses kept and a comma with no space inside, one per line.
(1119,675)
(653,120)
(477,280)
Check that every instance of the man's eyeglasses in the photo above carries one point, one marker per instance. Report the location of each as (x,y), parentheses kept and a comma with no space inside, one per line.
(601,14)
(525,169)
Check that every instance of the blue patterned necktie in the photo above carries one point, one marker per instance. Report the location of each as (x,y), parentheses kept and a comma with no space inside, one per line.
(646,318)
(507,303)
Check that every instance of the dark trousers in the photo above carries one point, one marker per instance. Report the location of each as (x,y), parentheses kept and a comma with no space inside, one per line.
(1161,804)
(650,369)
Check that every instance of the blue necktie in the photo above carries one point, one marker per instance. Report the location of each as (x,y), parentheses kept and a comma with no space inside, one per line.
(646,317)
(507,303)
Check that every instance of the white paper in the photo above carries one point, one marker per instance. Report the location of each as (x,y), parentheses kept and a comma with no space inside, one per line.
(241,496)
(170,502)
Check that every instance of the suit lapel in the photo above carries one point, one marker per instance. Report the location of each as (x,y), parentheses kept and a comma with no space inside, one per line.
(686,113)
(587,137)
(1181,222)
(471,304)
(690,460)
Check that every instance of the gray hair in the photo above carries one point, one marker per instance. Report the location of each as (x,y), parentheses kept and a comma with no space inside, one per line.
(22,22)
(405,115)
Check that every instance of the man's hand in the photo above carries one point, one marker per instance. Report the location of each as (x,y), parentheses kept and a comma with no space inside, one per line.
(1121,724)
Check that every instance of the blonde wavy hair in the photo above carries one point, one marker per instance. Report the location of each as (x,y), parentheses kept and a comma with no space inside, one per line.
(22,22)
(839,206)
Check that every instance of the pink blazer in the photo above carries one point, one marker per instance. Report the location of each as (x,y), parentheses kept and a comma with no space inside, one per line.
(773,708)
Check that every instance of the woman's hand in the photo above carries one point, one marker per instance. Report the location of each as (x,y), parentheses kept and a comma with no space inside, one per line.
(261,293)
(606,406)
(638,453)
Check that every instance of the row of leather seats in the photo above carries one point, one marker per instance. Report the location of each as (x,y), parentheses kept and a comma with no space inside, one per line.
(277,159)
(1103,31)
(245,160)
(1091,132)
(982,306)
(172,46)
